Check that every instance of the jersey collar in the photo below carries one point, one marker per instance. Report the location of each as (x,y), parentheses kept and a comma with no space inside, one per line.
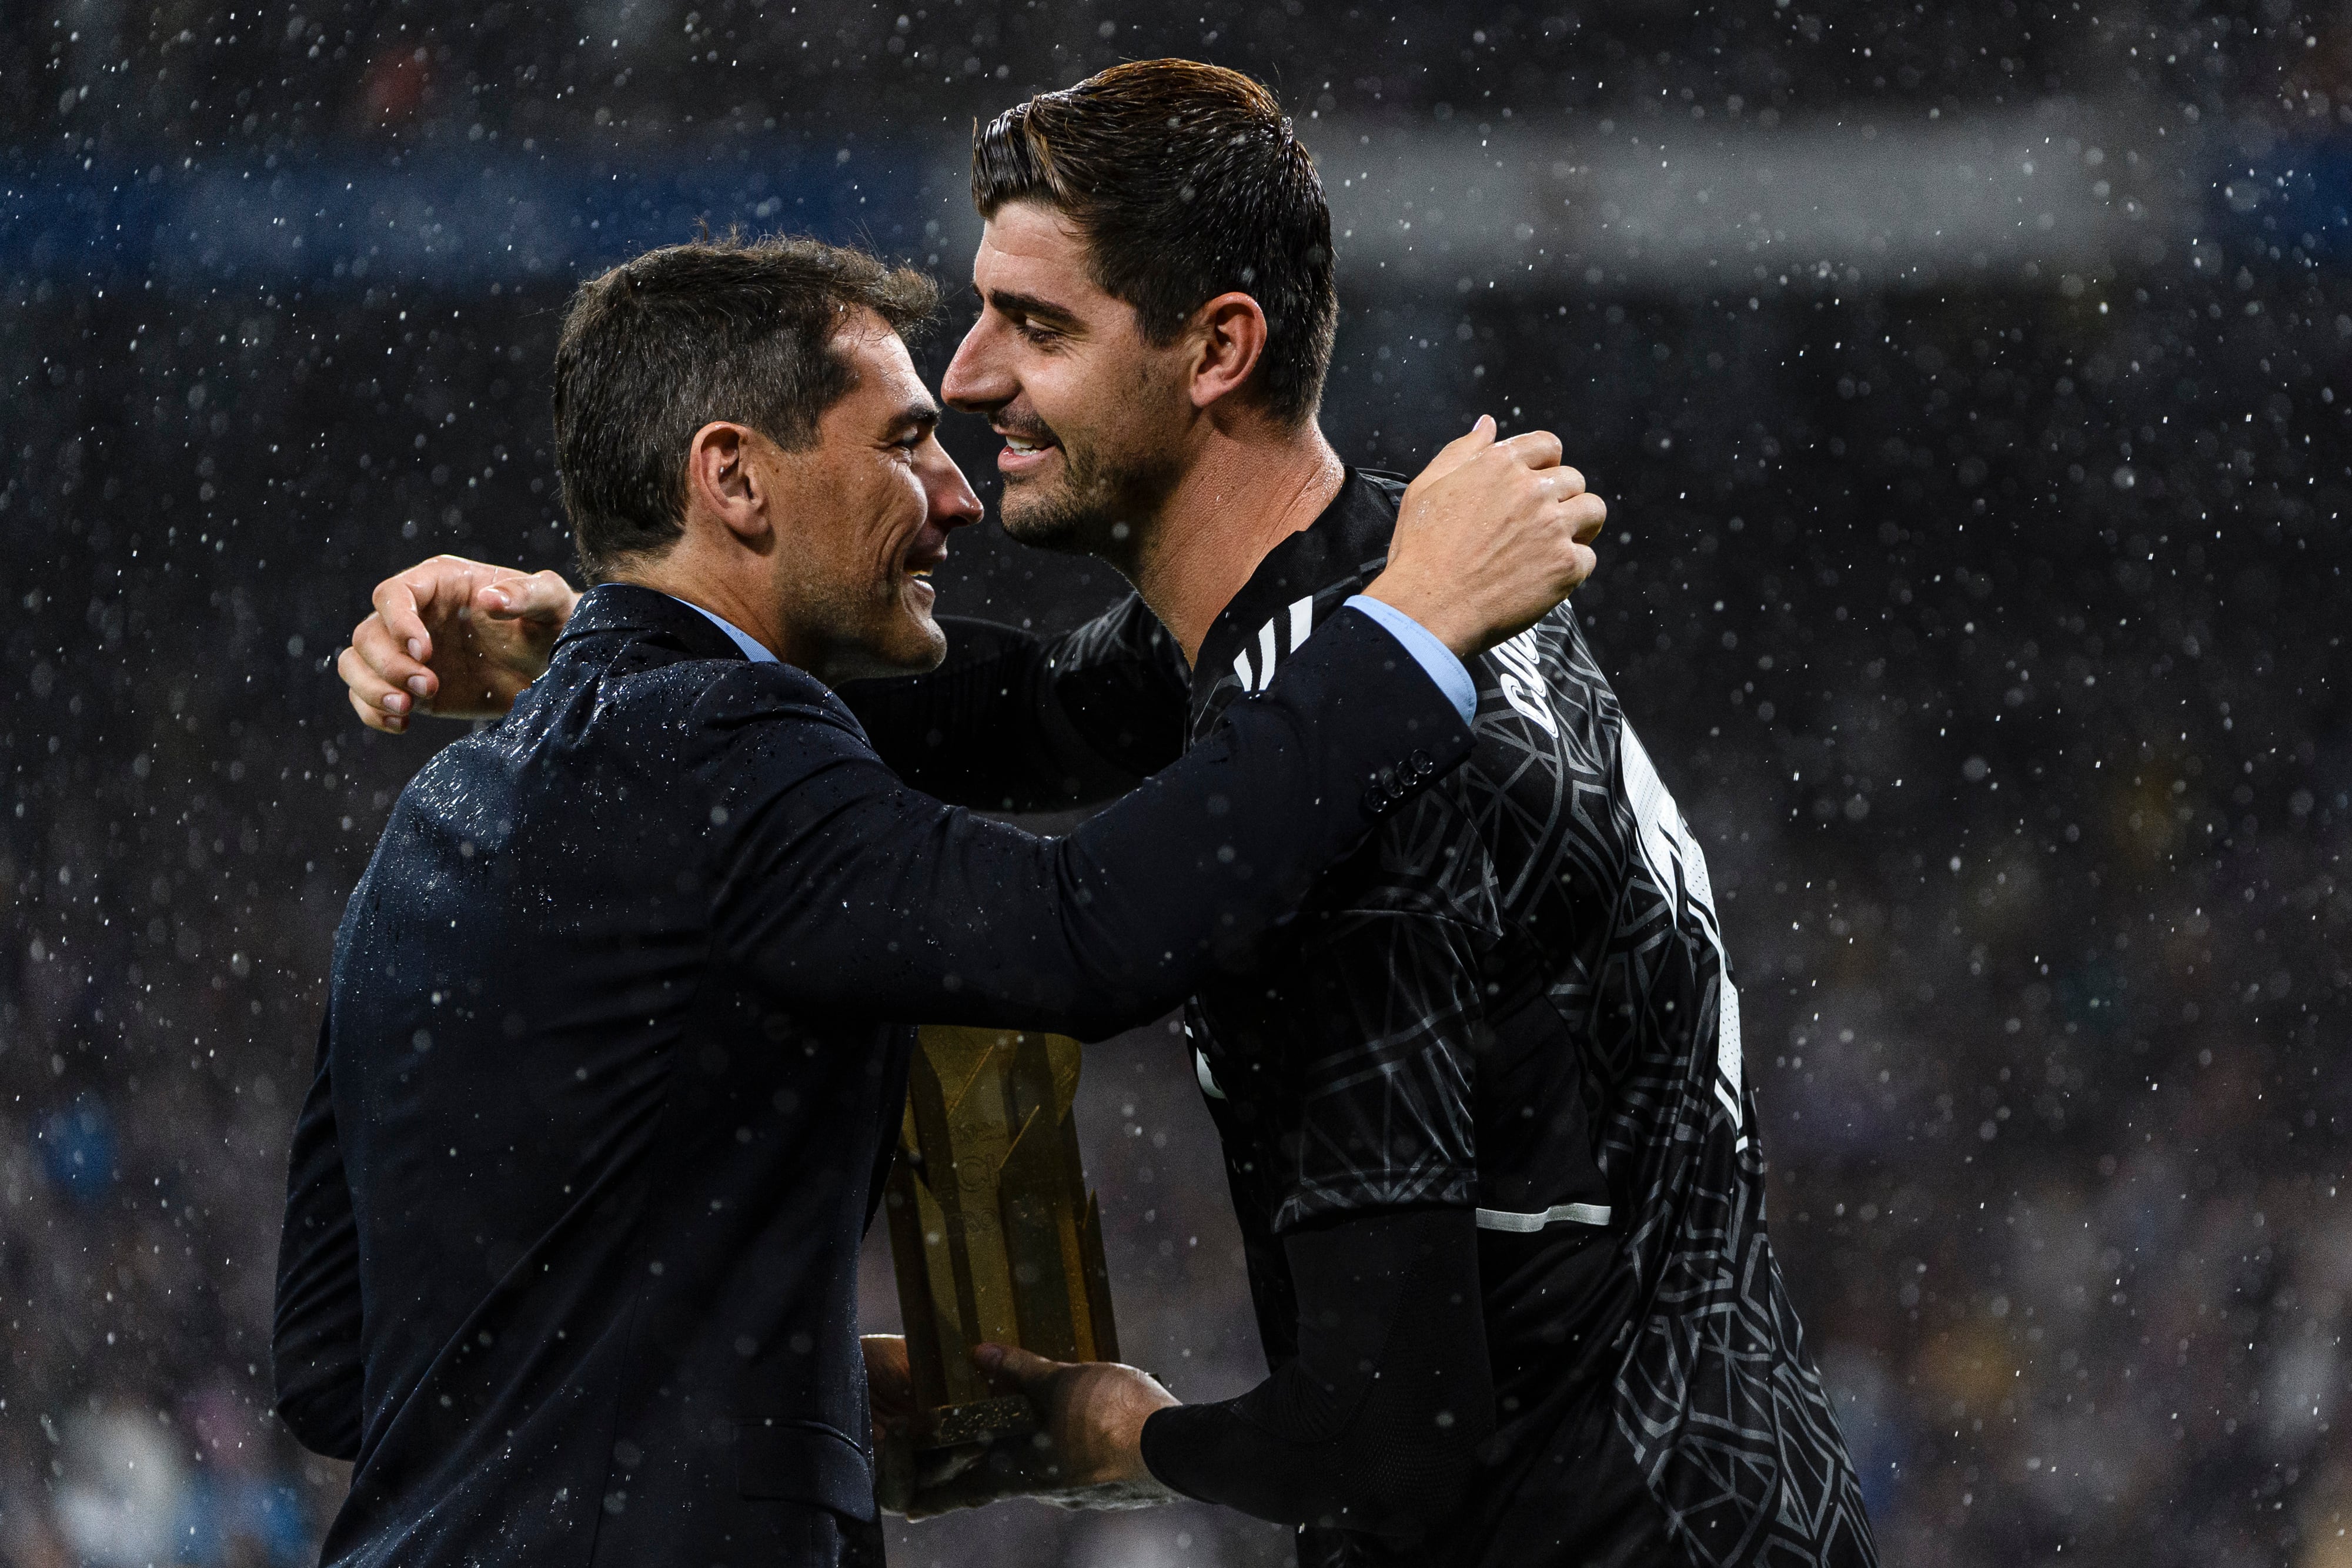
(1301,580)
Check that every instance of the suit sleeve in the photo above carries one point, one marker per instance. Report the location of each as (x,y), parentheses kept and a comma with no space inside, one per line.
(315,1342)
(849,890)
(1016,722)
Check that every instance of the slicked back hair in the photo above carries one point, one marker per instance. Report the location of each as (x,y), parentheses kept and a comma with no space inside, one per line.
(1187,183)
(724,329)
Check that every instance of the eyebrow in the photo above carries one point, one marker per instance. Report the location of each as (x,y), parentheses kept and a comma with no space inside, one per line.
(1012,304)
(922,412)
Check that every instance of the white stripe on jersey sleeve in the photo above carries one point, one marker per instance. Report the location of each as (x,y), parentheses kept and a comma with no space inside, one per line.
(1528,1224)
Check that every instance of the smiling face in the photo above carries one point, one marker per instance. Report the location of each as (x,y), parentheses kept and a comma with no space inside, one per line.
(862,518)
(1096,419)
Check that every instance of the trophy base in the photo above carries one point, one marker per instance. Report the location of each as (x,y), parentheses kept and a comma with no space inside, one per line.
(981,1421)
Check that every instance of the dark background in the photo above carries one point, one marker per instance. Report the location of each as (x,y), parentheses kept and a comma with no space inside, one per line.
(1975,575)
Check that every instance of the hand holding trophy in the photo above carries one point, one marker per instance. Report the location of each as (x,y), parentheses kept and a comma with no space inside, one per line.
(995,1241)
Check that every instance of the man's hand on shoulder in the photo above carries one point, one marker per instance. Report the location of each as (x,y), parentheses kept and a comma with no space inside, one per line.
(1490,538)
(453,638)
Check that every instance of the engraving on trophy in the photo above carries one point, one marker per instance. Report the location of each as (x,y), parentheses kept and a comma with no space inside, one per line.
(993,1232)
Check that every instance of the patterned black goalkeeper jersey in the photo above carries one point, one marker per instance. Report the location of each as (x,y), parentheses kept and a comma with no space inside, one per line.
(1514,998)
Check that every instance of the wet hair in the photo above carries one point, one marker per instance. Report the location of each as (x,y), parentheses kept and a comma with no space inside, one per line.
(723,328)
(1187,183)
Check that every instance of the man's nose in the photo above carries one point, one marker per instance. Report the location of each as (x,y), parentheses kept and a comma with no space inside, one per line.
(948,494)
(971,383)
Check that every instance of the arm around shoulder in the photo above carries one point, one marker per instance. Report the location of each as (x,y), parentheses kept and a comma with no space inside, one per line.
(1015,721)
(846,889)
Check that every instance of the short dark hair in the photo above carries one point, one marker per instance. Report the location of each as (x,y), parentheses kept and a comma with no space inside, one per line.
(1187,183)
(722,328)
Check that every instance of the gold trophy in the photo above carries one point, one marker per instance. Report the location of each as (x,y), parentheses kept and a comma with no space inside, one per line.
(992,1231)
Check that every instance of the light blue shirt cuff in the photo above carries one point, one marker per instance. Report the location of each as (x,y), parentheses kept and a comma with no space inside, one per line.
(753,650)
(1452,677)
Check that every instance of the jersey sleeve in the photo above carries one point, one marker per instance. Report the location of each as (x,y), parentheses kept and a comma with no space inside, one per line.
(1376,1423)
(1013,721)
(1368,1048)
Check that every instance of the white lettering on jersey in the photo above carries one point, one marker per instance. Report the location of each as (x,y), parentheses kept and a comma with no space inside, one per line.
(1521,679)
(1674,859)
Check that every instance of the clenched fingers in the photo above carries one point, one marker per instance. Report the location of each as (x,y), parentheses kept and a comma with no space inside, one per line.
(1562,484)
(379,705)
(1586,515)
(538,596)
(371,715)
(388,666)
(396,601)
(1534,448)
(1459,451)
(1582,517)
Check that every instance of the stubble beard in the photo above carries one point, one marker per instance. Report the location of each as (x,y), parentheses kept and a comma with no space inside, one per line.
(857,634)
(1099,507)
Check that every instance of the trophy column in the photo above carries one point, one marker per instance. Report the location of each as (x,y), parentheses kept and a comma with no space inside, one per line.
(993,1232)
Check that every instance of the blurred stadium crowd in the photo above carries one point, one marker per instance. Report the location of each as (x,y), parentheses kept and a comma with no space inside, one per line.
(1992,637)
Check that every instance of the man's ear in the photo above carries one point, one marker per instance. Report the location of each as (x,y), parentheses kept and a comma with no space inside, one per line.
(1229,338)
(722,479)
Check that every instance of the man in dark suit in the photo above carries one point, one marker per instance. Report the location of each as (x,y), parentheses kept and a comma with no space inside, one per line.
(620,1011)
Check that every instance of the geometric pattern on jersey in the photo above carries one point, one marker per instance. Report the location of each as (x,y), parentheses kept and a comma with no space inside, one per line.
(1555,861)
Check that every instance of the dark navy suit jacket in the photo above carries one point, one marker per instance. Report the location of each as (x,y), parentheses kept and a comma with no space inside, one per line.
(615,1052)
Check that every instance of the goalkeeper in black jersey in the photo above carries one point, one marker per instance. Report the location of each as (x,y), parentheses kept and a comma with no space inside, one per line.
(1485,1130)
